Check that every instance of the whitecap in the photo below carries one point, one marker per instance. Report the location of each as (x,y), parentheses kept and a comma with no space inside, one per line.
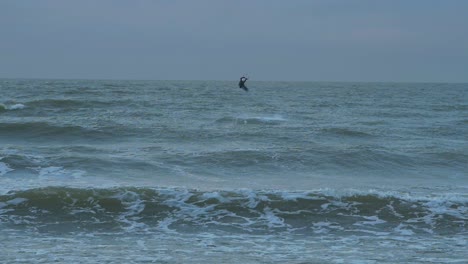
(371,220)
(50,171)
(401,229)
(4,169)
(16,107)
(215,195)
(271,219)
(254,119)
(4,107)
(294,196)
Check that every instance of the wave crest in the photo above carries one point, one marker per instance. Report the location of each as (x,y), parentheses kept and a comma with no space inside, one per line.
(239,211)
(44,130)
(254,120)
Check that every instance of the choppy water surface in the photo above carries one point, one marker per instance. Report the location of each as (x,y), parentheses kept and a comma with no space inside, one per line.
(195,171)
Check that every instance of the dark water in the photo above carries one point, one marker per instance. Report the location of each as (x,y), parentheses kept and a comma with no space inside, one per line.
(179,171)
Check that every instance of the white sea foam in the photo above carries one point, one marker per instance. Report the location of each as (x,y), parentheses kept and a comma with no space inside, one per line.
(215,195)
(134,205)
(371,220)
(4,169)
(246,119)
(16,107)
(293,196)
(272,220)
(421,163)
(321,227)
(12,107)
(253,198)
(270,118)
(59,173)
(403,230)
(446,206)
(51,171)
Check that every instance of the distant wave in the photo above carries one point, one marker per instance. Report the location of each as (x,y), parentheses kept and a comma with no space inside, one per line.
(345,132)
(357,159)
(240,158)
(450,108)
(38,130)
(253,120)
(239,211)
(66,103)
(11,107)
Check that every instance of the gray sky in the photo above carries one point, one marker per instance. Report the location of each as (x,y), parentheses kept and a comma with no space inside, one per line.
(303,40)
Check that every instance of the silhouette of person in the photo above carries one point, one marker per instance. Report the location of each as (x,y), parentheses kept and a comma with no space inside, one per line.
(242,83)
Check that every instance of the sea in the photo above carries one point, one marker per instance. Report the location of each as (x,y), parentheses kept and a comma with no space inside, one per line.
(107,171)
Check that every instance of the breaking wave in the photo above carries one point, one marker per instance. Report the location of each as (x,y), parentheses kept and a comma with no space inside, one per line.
(243,211)
(11,107)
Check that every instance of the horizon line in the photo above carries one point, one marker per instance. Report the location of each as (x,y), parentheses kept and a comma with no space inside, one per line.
(214,80)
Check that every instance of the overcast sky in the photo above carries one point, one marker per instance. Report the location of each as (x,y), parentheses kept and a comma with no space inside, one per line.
(303,40)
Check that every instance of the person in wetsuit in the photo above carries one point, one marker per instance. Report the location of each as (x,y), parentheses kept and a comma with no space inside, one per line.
(242,83)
